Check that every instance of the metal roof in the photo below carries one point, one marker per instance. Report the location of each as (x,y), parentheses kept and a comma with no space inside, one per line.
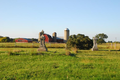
(48,35)
(67,29)
(59,38)
(27,39)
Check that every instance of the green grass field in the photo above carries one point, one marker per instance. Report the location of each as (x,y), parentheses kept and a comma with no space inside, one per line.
(31,45)
(55,65)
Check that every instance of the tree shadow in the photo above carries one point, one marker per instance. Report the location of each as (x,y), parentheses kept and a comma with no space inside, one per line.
(114,50)
(42,54)
(73,55)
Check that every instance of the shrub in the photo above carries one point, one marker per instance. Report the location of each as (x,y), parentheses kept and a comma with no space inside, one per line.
(75,50)
(68,52)
(79,41)
(34,53)
(10,53)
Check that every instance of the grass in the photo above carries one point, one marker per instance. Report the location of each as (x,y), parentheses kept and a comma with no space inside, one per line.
(109,46)
(31,45)
(55,45)
(55,65)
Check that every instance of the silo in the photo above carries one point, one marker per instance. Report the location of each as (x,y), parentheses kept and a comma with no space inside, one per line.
(66,35)
(54,37)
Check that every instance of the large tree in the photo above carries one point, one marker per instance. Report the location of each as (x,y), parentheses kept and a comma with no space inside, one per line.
(80,41)
(101,38)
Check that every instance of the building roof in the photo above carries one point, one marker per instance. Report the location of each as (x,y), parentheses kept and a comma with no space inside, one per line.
(48,35)
(27,39)
(67,29)
(59,38)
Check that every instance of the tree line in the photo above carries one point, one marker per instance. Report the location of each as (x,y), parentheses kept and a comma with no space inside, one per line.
(74,40)
(8,39)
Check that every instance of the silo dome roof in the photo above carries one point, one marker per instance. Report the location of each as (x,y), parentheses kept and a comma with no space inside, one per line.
(66,29)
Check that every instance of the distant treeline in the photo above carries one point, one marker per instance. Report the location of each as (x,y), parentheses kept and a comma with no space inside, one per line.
(7,39)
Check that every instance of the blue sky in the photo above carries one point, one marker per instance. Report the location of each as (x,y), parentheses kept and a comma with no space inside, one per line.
(26,18)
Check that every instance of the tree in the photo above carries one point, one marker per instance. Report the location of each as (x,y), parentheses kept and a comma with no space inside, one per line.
(1,36)
(80,41)
(4,39)
(101,38)
(109,41)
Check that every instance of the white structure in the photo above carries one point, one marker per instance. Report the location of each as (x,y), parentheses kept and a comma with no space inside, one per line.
(66,35)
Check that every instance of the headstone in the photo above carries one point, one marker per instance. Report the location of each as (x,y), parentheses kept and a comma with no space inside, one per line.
(95,48)
(42,46)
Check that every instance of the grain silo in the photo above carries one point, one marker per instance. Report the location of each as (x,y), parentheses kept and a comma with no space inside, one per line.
(54,37)
(66,35)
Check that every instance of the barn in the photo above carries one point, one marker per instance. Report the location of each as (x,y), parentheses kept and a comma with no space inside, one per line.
(60,40)
(23,40)
(48,38)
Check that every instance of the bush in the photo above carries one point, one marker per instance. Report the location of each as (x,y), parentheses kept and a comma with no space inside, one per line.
(67,53)
(10,53)
(75,50)
(79,41)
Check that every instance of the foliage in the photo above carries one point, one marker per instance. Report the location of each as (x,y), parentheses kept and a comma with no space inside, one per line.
(109,41)
(67,52)
(80,41)
(101,38)
(33,39)
(1,36)
(116,41)
(4,39)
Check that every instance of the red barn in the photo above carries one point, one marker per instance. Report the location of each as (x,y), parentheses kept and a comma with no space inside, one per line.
(48,38)
(23,40)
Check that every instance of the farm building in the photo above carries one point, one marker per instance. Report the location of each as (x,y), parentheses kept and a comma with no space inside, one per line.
(54,37)
(48,38)
(23,40)
(60,40)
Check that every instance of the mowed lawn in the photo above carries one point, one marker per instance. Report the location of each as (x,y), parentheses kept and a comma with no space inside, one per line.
(55,65)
